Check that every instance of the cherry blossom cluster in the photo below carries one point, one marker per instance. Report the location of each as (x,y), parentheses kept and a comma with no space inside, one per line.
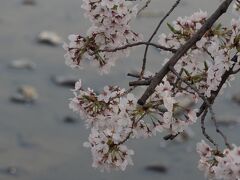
(205,63)
(107,114)
(106,154)
(110,29)
(113,115)
(219,165)
(163,105)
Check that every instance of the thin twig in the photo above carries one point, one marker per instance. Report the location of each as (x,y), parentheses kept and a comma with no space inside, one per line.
(131,132)
(137,76)
(155,32)
(217,128)
(138,44)
(144,7)
(140,83)
(204,129)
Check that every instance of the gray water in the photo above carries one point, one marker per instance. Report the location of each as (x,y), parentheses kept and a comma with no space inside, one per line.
(33,138)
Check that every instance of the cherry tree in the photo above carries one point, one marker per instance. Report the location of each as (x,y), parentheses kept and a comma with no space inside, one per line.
(203,56)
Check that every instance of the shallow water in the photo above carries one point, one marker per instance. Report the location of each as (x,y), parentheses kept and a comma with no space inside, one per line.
(34,139)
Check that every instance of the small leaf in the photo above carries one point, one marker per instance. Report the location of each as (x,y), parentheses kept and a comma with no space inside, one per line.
(173,29)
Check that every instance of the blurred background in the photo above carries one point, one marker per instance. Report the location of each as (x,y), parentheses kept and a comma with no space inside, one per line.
(41,139)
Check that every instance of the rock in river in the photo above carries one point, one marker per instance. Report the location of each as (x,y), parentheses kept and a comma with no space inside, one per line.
(236,98)
(50,38)
(29,2)
(22,64)
(25,94)
(157,168)
(70,120)
(66,81)
(228,120)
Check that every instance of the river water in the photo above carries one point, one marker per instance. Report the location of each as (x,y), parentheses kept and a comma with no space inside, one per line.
(33,139)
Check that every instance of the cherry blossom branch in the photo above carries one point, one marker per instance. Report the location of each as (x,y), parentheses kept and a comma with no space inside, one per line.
(208,106)
(114,114)
(131,132)
(172,136)
(182,50)
(215,93)
(211,100)
(204,99)
(154,33)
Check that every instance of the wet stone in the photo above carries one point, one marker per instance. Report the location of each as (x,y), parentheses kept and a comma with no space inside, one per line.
(14,171)
(24,143)
(25,94)
(236,98)
(22,64)
(70,120)
(66,81)
(157,168)
(49,38)
(29,2)
(9,170)
(228,120)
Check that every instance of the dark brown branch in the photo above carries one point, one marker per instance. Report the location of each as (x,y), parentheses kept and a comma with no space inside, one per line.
(140,83)
(182,50)
(133,75)
(138,44)
(137,76)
